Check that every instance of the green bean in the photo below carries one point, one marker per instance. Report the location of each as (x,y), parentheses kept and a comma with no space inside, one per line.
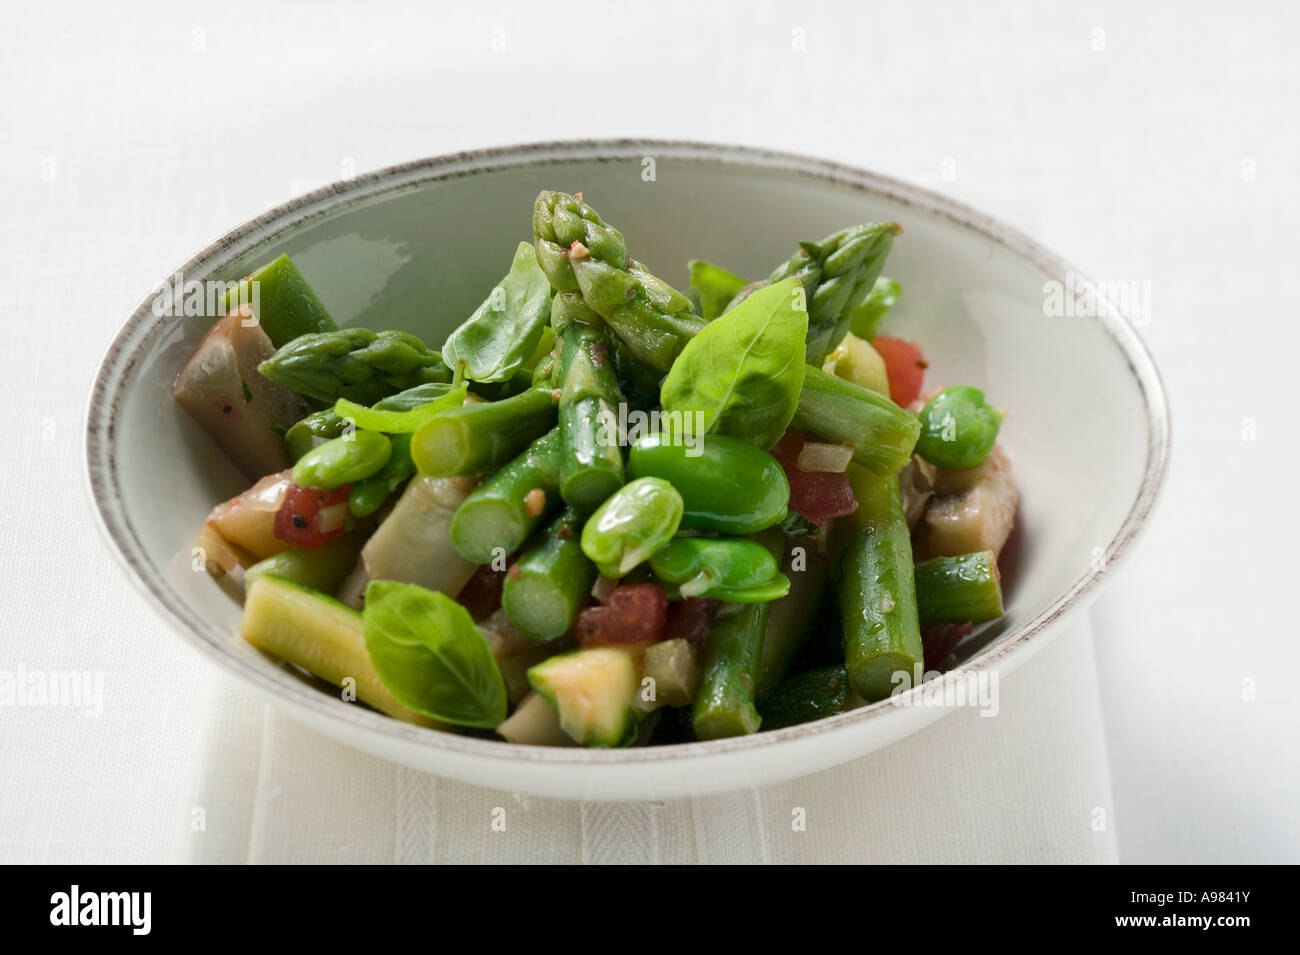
(727,485)
(500,513)
(958,589)
(369,495)
(342,460)
(958,428)
(724,702)
(479,437)
(638,519)
(700,565)
(877,593)
(550,582)
(591,464)
(839,412)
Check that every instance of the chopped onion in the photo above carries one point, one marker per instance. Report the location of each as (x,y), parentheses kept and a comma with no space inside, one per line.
(603,587)
(331,518)
(832,458)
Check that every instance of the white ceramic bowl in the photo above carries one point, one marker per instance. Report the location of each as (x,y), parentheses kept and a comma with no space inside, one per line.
(416,247)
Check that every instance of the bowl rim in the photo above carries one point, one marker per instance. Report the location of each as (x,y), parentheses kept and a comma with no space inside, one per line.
(137,334)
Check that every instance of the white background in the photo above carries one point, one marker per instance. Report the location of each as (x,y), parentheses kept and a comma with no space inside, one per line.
(1156,145)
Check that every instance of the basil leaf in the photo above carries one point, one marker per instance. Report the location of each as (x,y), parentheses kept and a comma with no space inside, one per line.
(398,422)
(430,655)
(503,332)
(716,286)
(744,370)
(866,318)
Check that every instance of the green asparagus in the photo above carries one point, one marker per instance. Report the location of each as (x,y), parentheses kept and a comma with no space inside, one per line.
(500,513)
(724,702)
(837,274)
(354,363)
(579,252)
(591,462)
(958,589)
(550,582)
(479,437)
(839,412)
(877,593)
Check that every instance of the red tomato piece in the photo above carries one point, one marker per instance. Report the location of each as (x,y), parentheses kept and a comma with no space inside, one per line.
(634,613)
(905,366)
(940,639)
(818,496)
(297,522)
(690,619)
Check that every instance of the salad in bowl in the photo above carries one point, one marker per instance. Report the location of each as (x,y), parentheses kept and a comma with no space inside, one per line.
(605,512)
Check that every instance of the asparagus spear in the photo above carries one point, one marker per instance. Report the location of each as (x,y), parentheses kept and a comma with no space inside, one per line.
(839,412)
(354,363)
(837,275)
(877,594)
(478,437)
(958,589)
(579,252)
(503,510)
(724,702)
(549,583)
(653,321)
(591,462)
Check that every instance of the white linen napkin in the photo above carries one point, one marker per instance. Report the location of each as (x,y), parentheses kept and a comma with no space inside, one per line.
(1030,785)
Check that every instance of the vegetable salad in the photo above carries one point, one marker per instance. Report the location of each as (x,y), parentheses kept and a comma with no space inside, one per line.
(606,511)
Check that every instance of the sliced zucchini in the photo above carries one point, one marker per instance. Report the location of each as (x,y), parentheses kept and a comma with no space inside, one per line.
(319,634)
(593,691)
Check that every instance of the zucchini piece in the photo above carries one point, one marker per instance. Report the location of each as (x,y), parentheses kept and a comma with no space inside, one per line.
(674,665)
(322,568)
(286,305)
(593,691)
(319,634)
(810,695)
(534,722)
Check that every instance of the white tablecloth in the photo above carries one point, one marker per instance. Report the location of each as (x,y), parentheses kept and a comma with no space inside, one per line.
(1153,144)
(1031,782)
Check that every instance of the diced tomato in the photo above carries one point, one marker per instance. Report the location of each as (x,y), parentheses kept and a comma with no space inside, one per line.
(298,521)
(819,496)
(940,639)
(690,619)
(634,613)
(905,366)
(481,595)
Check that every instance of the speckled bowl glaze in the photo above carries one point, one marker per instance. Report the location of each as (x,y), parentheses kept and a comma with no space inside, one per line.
(416,246)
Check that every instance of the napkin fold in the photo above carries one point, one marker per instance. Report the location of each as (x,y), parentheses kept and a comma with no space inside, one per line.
(1031,784)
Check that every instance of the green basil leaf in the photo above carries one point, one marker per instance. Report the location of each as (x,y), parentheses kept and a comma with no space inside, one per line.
(398,422)
(744,370)
(716,286)
(866,318)
(430,655)
(503,332)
